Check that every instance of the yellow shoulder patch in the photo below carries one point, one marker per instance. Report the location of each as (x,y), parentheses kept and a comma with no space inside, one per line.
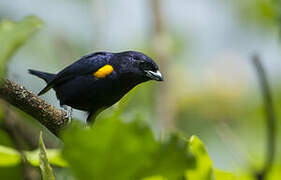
(103,71)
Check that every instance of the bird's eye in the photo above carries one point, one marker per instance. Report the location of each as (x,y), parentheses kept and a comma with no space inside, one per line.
(136,57)
(147,65)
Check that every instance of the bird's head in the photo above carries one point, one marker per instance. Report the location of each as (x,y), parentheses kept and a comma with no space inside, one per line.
(137,65)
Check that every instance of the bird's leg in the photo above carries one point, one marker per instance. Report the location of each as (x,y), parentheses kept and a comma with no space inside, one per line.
(68,110)
(91,117)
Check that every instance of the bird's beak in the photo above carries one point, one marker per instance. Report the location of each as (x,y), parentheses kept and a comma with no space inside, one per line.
(154,75)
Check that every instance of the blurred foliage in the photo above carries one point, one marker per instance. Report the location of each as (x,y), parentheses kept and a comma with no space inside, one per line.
(5,139)
(11,173)
(46,169)
(10,160)
(204,167)
(54,157)
(126,150)
(13,35)
(9,156)
(117,150)
(155,178)
(222,175)
(265,13)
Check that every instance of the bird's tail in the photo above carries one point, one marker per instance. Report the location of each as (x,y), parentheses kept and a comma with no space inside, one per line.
(43,75)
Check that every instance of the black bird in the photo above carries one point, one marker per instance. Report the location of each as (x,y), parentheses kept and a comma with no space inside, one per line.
(99,80)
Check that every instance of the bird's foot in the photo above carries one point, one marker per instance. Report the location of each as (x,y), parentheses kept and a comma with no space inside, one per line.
(69,111)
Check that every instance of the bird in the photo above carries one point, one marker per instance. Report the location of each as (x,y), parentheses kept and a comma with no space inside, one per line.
(99,80)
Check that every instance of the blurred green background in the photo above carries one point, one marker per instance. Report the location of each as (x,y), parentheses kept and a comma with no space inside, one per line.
(204,49)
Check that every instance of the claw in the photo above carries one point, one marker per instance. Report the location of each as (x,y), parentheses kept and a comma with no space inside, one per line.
(69,111)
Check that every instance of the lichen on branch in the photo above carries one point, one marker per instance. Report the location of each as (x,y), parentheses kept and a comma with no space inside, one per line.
(18,96)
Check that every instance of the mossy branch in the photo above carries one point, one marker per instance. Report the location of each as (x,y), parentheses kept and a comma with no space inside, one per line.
(18,96)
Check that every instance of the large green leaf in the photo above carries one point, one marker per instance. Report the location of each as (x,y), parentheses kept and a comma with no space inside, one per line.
(13,35)
(46,169)
(124,151)
(204,167)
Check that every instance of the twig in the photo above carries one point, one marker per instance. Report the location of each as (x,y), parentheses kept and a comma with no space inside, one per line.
(52,118)
(270,117)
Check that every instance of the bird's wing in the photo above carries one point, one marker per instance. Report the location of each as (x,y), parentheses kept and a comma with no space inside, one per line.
(87,64)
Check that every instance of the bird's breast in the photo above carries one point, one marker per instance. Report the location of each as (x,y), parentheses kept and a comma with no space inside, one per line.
(90,94)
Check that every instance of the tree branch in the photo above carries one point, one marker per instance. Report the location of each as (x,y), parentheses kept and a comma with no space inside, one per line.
(15,94)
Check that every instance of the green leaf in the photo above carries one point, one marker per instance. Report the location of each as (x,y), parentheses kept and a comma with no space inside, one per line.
(275,172)
(155,178)
(204,166)
(177,158)
(5,139)
(11,172)
(54,157)
(115,150)
(222,175)
(46,169)
(13,35)
(9,156)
